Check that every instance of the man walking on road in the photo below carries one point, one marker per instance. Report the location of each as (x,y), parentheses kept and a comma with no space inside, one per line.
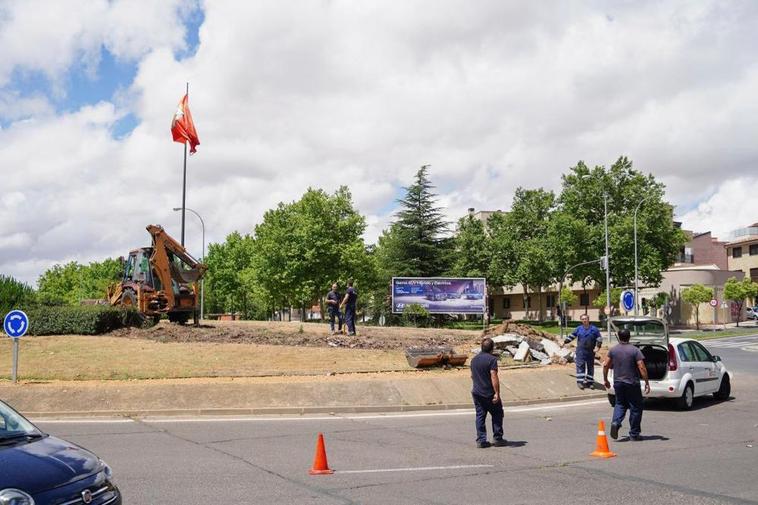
(351,296)
(333,308)
(486,395)
(587,337)
(628,365)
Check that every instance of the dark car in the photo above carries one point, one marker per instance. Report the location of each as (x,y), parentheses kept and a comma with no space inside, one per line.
(38,469)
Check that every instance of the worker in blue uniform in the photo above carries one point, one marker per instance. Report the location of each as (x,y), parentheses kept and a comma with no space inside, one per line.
(588,338)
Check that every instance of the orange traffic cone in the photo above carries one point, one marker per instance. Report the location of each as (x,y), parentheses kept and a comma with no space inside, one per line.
(320,465)
(602,450)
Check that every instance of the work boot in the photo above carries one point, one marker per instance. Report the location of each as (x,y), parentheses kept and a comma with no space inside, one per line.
(589,385)
(614,431)
(580,385)
(483,445)
(500,442)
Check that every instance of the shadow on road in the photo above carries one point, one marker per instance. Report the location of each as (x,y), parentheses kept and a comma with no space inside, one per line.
(516,443)
(645,438)
(699,403)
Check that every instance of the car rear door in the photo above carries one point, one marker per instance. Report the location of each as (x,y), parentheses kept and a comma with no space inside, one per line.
(704,369)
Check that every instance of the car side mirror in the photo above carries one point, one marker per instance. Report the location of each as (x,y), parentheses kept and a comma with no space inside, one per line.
(716,358)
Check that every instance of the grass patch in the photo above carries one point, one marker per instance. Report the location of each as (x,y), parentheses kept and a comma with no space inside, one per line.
(731,332)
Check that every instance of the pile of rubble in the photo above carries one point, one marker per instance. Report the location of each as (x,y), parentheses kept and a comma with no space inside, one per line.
(527,349)
(525,343)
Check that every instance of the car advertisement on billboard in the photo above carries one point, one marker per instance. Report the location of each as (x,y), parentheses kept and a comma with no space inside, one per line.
(440,295)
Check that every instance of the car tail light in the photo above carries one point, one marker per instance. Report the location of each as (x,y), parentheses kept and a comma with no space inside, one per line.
(672,359)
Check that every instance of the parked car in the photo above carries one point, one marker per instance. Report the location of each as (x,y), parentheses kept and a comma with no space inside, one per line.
(39,469)
(679,369)
(751,312)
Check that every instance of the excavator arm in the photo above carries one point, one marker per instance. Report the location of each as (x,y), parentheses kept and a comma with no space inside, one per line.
(174,268)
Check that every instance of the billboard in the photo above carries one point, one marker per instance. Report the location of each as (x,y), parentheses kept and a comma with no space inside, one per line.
(440,295)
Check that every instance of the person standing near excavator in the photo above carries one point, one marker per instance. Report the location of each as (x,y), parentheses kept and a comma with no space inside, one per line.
(351,297)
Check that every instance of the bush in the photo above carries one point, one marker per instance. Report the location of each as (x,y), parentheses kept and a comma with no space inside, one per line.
(416,315)
(85,320)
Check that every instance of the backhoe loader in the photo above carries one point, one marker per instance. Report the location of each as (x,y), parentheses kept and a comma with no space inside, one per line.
(161,279)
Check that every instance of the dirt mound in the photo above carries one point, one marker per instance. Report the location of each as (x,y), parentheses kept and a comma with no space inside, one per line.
(302,335)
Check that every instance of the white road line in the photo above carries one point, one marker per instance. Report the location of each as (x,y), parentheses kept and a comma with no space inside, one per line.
(82,421)
(415,469)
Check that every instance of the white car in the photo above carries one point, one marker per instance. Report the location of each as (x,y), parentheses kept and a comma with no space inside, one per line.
(678,368)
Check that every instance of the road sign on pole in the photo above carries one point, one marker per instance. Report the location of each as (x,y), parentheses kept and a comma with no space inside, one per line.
(714,302)
(15,324)
(627,300)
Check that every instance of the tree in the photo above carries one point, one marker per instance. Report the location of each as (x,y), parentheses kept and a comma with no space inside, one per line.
(304,246)
(14,294)
(418,248)
(659,240)
(71,283)
(739,291)
(230,282)
(522,244)
(471,254)
(695,295)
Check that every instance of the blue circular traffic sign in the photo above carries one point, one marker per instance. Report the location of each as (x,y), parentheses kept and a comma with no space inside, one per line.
(16,323)
(627,300)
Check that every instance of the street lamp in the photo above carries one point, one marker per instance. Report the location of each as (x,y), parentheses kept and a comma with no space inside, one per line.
(607,262)
(202,281)
(636,275)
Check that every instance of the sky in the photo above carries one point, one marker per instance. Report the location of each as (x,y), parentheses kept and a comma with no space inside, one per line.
(492,94)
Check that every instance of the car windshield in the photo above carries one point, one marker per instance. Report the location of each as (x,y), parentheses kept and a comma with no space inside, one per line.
(12,425)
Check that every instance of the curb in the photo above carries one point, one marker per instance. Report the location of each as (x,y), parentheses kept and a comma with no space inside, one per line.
(261,411)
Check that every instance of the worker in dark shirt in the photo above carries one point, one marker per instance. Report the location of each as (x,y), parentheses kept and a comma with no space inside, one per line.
(333,308)
(351,297)
(486,395)
(628,365)
(587,338)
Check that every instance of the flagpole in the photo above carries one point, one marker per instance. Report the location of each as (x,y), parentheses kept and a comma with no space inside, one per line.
(184,180)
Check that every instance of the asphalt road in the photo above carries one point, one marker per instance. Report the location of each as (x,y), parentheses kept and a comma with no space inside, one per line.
(707,455)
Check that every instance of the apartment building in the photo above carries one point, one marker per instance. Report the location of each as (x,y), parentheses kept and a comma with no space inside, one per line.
(742,251)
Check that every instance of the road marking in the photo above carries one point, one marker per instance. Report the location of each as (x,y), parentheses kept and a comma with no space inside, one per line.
(415,469)
(82,421)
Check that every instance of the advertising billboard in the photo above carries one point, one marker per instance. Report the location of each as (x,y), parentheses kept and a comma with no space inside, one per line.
(440,295)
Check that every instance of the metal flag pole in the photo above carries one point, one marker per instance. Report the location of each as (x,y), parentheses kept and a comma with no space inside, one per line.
(184,179)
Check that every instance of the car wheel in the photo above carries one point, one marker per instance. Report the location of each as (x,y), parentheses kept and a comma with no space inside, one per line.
(724,390)
(612,400)
(687,399)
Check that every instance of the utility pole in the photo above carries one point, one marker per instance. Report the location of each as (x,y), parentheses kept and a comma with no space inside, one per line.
(607,269)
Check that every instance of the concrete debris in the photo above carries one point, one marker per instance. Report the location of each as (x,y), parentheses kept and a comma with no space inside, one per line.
(553,349)
(522,352)
(503,341)
(540,356)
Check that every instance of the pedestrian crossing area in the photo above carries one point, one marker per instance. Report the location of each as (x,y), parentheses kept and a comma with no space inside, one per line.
(749,343)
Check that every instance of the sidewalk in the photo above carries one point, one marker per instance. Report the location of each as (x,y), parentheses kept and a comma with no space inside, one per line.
(400,391)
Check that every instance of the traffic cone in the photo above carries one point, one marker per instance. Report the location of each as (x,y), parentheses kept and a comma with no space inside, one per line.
(602,450)
(320,465)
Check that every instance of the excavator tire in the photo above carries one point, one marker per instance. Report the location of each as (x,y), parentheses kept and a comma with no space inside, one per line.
(128,298)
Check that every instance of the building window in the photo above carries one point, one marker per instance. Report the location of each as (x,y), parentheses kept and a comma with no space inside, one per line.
(506,302)
(753,249)
(584,299)
(551,301)
(737,252)
(754,274)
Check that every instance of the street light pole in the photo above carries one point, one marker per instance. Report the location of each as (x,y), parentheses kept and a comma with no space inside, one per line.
(202,281)
(636,274)
(607,267)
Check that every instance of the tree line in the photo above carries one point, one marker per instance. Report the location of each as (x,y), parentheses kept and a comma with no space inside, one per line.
(292,257)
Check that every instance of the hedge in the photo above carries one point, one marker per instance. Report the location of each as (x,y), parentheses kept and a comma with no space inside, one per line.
(84,320)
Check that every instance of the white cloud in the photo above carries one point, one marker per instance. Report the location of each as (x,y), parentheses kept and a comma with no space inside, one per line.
(493,94)
(732,206)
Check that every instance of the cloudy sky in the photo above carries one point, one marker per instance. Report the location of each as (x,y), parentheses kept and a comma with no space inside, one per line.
(286,95)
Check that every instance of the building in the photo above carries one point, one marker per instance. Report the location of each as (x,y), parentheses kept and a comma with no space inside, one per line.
(703,249)
(512,304)
(742,251)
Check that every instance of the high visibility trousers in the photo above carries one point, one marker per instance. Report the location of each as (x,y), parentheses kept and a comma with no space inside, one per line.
(585,367)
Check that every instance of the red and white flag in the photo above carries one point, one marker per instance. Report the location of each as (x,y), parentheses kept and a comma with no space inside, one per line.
(182,127)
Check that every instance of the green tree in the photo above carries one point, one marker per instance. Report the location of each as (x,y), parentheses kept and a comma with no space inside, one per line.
(471,257)
(71,283)
(568,296)
(695,295)
(418,248)
(14,294)
(228,282)
(659,240)
(739,291)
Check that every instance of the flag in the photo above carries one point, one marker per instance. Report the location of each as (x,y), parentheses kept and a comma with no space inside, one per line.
(182,127)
